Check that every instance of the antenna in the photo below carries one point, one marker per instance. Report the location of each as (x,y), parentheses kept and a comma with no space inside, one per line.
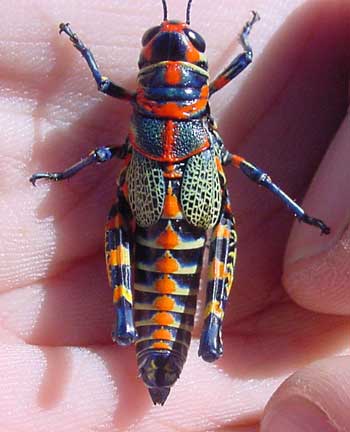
(165,7)
(188,13)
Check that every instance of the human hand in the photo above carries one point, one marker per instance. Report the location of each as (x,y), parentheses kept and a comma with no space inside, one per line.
(59,368)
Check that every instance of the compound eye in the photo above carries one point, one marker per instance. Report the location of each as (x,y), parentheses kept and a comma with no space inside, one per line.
(196,39)
(149,35)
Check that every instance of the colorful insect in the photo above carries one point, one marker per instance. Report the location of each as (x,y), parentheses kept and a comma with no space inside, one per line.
(171,191)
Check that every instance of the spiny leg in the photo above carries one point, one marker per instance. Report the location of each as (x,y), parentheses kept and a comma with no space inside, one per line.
(222,258)
(262,178)
(240,62)
(100,155)
(104,84)
(118,247)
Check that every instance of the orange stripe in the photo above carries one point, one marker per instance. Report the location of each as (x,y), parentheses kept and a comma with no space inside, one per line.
(167,264)
(162,334)
(164,303)
(168,239)
(163,318)
(161,345)
(192,54)
(217,270)
(119,256)
(165,285)
(221,231)
(171,205)
(121,291)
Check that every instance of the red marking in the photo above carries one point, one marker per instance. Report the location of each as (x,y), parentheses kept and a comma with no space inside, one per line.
(192,54)
(127,160)
(172,110)
(169,139)
(167,264)
(220,82)
(168,239)
(165,285)
(171,173)
(170,159)
(173,27)
(173,75)
(237,160)
(163,318)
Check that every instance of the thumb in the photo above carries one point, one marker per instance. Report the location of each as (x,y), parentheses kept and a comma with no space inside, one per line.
(316,398)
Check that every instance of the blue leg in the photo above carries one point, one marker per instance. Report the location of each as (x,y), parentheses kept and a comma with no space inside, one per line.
(104,84)
(263,179)
(240,62)
(100,155)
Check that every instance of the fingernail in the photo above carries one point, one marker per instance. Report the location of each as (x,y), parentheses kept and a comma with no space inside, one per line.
(296,414)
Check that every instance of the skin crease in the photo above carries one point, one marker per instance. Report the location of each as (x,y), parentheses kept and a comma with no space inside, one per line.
(59,370)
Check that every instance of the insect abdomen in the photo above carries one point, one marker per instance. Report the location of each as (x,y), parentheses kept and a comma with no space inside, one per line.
(168,261)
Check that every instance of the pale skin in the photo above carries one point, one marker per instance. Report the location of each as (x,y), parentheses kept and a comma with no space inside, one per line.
(287,326)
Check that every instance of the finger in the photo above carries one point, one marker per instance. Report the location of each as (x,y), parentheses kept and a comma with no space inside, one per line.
(96,388)
(316,398)
(317,268)
(73,308)
(68,389)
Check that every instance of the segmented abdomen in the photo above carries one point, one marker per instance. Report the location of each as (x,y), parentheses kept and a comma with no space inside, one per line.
(168,261)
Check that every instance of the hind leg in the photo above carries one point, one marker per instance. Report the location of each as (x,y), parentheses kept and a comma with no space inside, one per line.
(117,248)
(222,257)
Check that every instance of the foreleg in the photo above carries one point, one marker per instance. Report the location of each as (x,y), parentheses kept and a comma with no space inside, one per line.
(104,84)
(240,62)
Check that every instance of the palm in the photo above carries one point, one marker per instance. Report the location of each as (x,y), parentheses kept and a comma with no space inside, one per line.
(58,359)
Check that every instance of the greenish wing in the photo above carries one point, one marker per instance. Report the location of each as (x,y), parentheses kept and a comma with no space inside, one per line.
(201,193)
(146,189)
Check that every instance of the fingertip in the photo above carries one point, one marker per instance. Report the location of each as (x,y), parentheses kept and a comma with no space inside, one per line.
(313,399)
(296,414)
